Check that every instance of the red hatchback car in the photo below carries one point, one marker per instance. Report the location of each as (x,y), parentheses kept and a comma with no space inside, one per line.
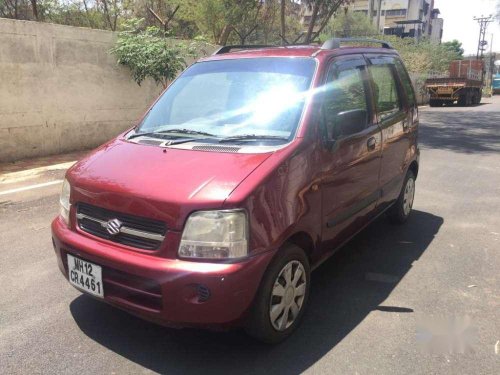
(251,169)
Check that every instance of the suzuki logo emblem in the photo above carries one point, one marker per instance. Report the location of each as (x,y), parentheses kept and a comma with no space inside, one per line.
(113,226)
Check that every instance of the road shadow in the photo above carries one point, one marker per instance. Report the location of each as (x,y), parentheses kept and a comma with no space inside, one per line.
(343,292)
(461,131)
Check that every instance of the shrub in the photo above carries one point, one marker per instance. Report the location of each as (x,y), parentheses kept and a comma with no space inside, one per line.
(151,53)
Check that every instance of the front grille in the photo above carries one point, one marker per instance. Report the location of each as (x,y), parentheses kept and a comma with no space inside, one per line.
(135,231)
(142,292)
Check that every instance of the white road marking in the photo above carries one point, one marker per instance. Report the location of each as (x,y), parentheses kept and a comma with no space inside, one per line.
(25,174)
(30,187)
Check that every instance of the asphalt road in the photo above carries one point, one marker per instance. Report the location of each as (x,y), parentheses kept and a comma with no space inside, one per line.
(367,302)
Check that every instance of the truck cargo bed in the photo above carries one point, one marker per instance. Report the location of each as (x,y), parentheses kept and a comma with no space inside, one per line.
(448,81)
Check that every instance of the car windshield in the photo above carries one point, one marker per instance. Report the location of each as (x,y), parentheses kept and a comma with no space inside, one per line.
(233,98)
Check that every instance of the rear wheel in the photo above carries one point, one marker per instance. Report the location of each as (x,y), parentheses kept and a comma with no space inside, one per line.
(282,297)
(401,209)
(478,97)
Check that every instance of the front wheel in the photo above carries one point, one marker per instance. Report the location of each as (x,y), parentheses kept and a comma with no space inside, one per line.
(282,297)
(435,103)
(401,209)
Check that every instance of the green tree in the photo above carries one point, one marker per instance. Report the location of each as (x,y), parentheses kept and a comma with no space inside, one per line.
(455,47)
(150,53)
(423,56)
(218,19)
(349,24)
(321,12)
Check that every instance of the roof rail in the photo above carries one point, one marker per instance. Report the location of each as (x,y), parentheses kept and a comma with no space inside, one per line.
(336,42)
(226,49)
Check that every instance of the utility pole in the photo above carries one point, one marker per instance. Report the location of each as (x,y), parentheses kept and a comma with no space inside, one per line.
(483,25)
(491,62)
(370,10)
(379,11)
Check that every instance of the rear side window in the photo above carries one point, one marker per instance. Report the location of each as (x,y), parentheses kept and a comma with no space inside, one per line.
(408,86)
(385,90)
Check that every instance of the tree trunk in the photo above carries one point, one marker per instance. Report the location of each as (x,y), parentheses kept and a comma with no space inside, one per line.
(282,18)
(87,13)
(333,9)
(34,6)
(115,15)
(16,15)
(224,35)
(312,23)
(106,13)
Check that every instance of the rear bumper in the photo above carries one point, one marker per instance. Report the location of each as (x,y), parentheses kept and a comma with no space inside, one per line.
(171,292)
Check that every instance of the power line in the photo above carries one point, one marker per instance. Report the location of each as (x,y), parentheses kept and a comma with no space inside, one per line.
(483,25)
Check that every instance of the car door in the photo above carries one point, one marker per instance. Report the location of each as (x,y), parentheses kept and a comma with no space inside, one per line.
(351,153)
(394,119)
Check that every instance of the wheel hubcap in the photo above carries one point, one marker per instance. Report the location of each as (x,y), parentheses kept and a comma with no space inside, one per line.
(287,296)
(408,196)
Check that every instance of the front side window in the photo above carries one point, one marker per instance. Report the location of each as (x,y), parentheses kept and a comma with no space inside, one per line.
(228,98)
(385,90)
(345,96)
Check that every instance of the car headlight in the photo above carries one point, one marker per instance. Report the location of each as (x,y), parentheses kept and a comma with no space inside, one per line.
(64,201)
(215,235)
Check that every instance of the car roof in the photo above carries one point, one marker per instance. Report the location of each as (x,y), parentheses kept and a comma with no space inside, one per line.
(310,51)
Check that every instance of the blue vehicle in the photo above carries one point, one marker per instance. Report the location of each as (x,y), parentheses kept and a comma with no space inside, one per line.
(495,85)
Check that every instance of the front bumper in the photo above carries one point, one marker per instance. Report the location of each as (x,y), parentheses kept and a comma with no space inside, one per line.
(171,292)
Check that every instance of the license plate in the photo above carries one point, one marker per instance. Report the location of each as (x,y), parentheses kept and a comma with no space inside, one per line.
(445,90)
(85,276)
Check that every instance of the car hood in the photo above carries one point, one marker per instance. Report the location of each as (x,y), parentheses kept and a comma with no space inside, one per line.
(160,183)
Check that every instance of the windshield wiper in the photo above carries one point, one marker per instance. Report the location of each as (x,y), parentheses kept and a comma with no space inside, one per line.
(159,133)
(187,131)
(148,134)
(251,137)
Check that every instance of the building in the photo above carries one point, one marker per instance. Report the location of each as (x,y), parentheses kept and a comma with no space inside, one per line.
(404,18)
(436,26)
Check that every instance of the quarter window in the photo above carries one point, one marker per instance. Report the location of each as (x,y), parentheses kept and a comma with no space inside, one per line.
(408,86)
(385,90)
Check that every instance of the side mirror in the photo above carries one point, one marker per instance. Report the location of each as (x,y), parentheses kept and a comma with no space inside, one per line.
(351,122)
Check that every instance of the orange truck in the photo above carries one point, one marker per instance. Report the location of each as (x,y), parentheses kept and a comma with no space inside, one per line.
(463,84)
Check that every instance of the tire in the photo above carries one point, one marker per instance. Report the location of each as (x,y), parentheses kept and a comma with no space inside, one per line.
(401,209)
(462,101)
(260,324)
(435,103)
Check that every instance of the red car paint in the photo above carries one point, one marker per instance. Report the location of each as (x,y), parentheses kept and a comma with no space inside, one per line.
(292,194)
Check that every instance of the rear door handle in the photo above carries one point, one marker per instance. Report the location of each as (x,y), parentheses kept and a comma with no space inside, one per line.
(371,143)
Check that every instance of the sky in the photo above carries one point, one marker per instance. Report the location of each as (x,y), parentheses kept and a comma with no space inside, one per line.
(458,22)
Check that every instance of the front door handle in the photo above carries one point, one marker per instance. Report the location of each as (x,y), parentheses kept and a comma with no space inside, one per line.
(371,143)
